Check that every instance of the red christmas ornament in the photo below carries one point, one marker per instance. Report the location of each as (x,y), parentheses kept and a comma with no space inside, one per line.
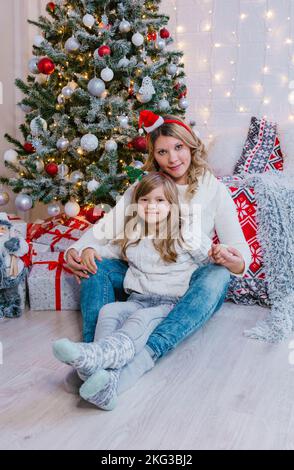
(92,214)
(104,50)
(164,33)
(51,169)
(46,66)
(184,92)
(28,147)
(151,36)
(51,7)
(139,143)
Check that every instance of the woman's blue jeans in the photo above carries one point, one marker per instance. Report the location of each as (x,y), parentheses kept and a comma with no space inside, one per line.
(205,295)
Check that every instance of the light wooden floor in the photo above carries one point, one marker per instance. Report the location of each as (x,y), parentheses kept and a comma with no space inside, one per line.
(218,390)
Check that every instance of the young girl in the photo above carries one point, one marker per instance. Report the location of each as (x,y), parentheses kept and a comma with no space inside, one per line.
(175,150)
(161,262)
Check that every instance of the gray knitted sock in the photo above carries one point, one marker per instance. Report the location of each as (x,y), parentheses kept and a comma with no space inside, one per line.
(111,352)
(101,389)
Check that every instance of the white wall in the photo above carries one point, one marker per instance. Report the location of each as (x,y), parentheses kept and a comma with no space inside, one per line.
(258,41)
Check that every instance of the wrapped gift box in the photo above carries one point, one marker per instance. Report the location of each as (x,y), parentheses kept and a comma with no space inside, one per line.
(51,284)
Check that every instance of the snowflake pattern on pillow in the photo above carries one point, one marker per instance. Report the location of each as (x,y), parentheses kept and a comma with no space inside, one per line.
(252,288)
(262,150)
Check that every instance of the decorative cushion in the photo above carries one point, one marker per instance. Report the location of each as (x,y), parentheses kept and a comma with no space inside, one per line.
(262,150)
(252,288)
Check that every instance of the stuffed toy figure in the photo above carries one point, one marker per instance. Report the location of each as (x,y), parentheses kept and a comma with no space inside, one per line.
(12,268)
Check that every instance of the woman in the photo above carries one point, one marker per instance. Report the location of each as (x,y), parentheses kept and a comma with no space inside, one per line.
(175,150)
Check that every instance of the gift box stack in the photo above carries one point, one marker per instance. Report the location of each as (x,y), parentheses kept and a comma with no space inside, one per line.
(51,285)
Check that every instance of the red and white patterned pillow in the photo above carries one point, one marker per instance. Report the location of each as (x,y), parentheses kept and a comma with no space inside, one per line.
(262,150)
(252,288)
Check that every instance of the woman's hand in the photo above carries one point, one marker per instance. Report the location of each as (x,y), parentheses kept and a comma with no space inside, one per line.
(88,259)
(74,262)
(229,257)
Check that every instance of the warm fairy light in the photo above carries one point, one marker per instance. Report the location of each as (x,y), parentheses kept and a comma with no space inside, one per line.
(228,94)
(217,44)
(266,101)
(288,41)
(80,151)
(241,109)
(265,69)
(180,29)
(269,14)
(243,16)
(291,117)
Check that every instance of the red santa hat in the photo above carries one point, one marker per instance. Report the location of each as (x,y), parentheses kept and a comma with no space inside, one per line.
(151,121)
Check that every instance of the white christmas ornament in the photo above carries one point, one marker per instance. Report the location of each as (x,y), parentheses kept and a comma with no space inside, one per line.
(137,164)
(10,156)
(62,144)
(92,186)
(67,92)
(33,65)
(107,74)
(137,39)
(63,170)
(72,44)
(76,176)
(123,121)
(164,105)
(89,142)
(172,69)
(88,20)
(144,98)
(96,87)
(38,40)
(23,202)
(41,79)
(125,26)
(124,62)
(37,125)
(72,209)
(53,209)
(39,166)
(183,103)
(111,146)
(147,87)
(160,44)
(4,198)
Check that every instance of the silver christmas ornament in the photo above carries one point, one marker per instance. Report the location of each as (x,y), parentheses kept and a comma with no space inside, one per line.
(72,44)
(89,142)
(38,40)
(137,39)
(123,121)
(23,202)
(76,176)
(33,65)
(4,198)
(53,209)
(37,125)
(62,144)
(171,69)
(111,146)
(137,164)
(39,166)
(107,74)
(92,186)
(160,44)
(88,20)
(63,170)
(67,92)
(124,62)
(183,103)
(164,105)
(10,156)
(72,209)
(60,99)
(125,26)
(96,87)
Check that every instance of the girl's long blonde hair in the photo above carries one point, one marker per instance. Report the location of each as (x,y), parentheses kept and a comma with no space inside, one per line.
(198,152)
(171,228)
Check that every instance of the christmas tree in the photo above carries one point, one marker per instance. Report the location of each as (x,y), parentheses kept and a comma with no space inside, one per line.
(95,66)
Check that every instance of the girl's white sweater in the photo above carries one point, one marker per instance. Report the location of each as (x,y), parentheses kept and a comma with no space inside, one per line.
(211,208)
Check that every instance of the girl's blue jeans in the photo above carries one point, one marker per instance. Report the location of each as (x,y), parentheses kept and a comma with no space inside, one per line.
(205,295)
